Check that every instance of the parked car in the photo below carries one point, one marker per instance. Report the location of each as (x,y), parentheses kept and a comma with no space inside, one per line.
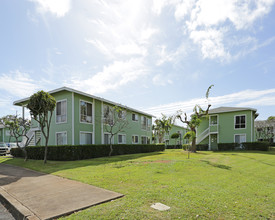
(3,149)
(11,145)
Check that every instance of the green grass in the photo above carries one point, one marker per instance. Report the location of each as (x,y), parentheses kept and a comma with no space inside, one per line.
(210,185)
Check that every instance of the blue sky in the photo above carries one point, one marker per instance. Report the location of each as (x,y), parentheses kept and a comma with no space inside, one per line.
(157,56)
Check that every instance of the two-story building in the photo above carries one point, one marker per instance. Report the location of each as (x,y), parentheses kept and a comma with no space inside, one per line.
(227,125)
(80,118)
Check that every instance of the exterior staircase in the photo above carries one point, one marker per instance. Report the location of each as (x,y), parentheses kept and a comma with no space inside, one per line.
(31,136)
(203,135)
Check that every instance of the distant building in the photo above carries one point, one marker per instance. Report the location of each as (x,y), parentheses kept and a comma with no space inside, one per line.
(79,118)
(227,125)
(265,130)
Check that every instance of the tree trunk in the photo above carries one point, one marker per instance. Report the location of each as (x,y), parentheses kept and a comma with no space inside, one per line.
(46,150)
(111,149)
(25,153)
(193,146)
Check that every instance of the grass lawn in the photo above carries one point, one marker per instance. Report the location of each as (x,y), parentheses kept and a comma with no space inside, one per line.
(209,185)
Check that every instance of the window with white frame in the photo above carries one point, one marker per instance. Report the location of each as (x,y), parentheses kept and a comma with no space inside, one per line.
(135,139)
(148,123)
(143,122)
(134,117)
(107,137)
(108,114)
(86,138)
(86,112)
(240,121)
(61,111)
(240,138)
(145,140)
(121,138)
(61,138)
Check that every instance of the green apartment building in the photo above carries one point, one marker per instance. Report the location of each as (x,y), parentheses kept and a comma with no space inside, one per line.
(5,135)
(227,125)
(175,129)
(79,119)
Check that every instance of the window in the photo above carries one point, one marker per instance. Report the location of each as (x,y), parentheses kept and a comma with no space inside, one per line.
(61,111)
(135,139)
(86,110)
(108,114)
(122,114)
(121,139)
(86,138)
(240,121)
(148,123)
(144,122)
(134,117)
(61,138)
(8,133)
(240,138)
(107,137)
(145,140)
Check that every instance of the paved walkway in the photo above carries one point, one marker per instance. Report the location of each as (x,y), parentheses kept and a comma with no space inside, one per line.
(35,195)
(4,213)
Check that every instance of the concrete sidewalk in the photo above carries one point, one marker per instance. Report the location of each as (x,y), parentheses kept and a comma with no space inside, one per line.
(33,195)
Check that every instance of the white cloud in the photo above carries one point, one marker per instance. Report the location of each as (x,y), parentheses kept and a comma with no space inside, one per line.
(212,24)
(112,77)
(57,7)
(122,29)
(210,41)
(246,98)
(161,80)
(169,56)
(18,84)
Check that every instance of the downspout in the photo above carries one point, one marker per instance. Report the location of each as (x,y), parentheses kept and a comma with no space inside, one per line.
(72,118)
(93,117)
(252,126)
(101,119)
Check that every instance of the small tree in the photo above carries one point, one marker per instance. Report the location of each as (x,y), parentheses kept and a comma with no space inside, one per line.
(18,127)
(175,136)
(161,126)
(115,121)
(195,120)
(41,106)
(265,129)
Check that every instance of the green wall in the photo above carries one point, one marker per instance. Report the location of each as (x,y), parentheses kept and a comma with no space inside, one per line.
(226,127)
(74,126)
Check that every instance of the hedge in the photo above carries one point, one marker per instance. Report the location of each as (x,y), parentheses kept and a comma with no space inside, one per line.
(80,152)
(199,147)
(227,146)
(202,147)
(262,146)
(178,146)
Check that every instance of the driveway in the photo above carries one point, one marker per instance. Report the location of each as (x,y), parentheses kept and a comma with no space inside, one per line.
(35,195)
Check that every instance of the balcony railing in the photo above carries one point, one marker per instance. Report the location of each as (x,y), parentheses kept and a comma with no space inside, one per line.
(214,128)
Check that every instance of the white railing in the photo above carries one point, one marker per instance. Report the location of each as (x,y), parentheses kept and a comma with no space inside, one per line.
(203,135)
(30,135)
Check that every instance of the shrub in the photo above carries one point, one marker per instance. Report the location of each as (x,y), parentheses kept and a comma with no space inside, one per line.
(185,146)
(262,146)
(174,146)
(202,147)
(227,146)
(80,152)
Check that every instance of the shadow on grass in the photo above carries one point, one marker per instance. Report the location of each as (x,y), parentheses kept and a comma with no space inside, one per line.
(237,152)
(55,166)
(221,166)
